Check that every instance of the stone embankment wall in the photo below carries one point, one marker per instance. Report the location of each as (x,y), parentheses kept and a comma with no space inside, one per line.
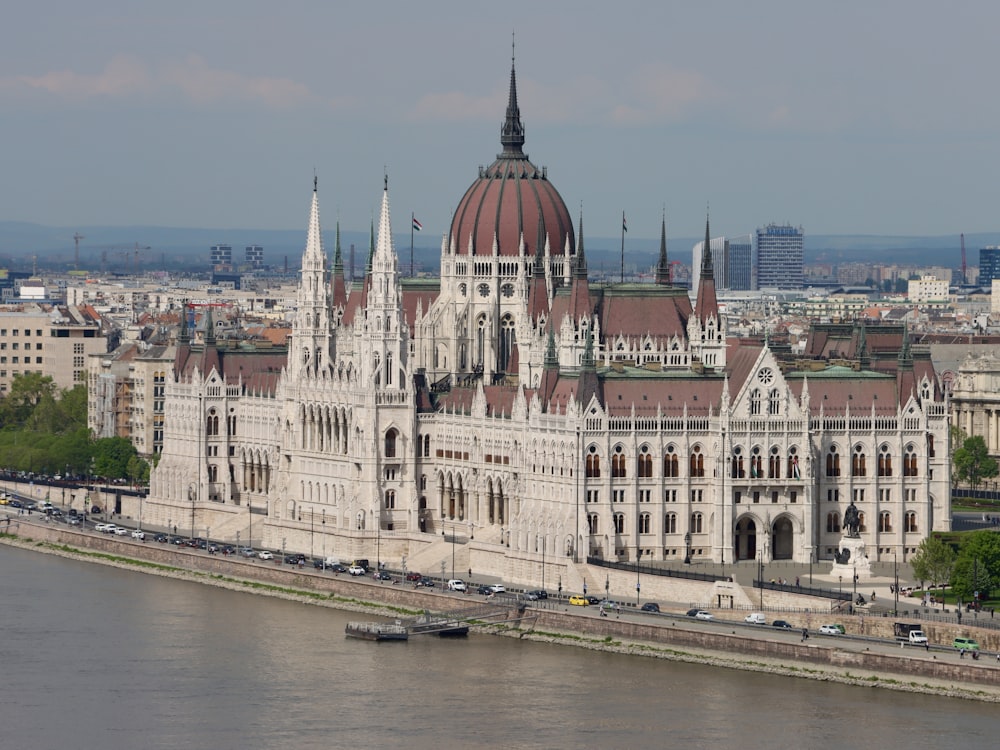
(662,631)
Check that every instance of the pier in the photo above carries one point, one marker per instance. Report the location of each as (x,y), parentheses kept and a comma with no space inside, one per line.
(443,624)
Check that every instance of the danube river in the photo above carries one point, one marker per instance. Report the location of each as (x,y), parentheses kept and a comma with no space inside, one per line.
(97,657)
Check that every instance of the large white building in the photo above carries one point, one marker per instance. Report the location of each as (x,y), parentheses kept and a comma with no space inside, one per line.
(534,420)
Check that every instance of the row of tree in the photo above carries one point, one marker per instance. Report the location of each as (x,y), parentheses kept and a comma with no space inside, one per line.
(43,431)
(969,567)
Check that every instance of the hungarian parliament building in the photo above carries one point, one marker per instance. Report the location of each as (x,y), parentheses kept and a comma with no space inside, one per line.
(514,408)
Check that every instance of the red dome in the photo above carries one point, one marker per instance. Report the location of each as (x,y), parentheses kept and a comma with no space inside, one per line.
(511,198)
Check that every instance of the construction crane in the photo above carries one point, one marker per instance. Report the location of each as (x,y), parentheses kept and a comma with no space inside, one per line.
(76,254)
(125,252)
(965,279)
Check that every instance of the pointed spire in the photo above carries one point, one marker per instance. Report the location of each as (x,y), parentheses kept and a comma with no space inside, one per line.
(371,246)
(581,257)
(209,328)
(551,360)
(315,256)
(512,133)
(587,362)
(707,270)
(707,304)
(184,337)
(663,265)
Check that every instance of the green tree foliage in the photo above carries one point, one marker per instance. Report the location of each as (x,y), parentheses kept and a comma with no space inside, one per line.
(973,463)
(112,456)
(26,392)
(933,561)
(978,564)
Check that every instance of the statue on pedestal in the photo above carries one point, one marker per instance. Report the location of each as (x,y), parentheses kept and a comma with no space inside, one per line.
(852,521)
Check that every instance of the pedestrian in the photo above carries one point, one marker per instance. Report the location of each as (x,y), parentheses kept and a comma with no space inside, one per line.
(805,634)
(961,653)
(796,581)
(998,657)
(927,646)
(873,596)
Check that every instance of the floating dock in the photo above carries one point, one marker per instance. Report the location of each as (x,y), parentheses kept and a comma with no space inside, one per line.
(443,624)
(377,631)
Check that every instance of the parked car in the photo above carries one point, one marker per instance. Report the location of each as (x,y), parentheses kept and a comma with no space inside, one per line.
(781,624)
(94,509)
(138,534)
(703,615)
(591,599)
(428,582)
(247,552)
(121,531)
(829,630)
(456,584)
(265,555)
(381,575)
(579,601)
(535,595)
(104,527)
(497,588)
(650,607)
(336,568)
(356,570)
(413,576)
(484,590)
(291,560)
(755,618)
(966,644)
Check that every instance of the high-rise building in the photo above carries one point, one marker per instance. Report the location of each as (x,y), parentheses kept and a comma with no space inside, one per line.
(254,257)
(222,257)
(779,257)
(739,264)
(989,264)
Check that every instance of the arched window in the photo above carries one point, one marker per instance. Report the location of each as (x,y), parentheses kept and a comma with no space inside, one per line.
(774,464)
(884,462)
(833,462)
(794,472)
(910,521)
(671,467)
(858,462)
(697,462)
(755,403)
(618,462)
(862,526)
(756,463)
(696,523)
(427,445)
(773,402)
(670,523)
(832,522)
(619,523)
(592,523)
(910,462)
(390,499)
(593,462)
(644,523)
(644,462)
(390,443)
(885,521)
(739,470)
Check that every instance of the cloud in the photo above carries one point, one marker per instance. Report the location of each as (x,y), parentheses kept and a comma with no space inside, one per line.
(125,76)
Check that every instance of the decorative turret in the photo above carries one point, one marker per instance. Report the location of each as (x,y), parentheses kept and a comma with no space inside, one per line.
(310,347)
(706,328)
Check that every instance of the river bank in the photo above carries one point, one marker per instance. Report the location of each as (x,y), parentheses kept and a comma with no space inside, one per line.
(660,640)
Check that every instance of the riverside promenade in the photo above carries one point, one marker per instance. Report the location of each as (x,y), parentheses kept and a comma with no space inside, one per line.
(722,642)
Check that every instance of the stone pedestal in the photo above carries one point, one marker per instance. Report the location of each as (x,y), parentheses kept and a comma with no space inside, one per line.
(858,562)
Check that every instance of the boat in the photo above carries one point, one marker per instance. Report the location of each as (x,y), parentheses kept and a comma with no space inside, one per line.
(377,631)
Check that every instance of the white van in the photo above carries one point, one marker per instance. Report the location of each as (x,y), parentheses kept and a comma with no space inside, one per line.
(755,618)
(456,584)
(329,562)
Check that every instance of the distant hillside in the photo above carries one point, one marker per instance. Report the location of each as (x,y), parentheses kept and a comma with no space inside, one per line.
(21,243)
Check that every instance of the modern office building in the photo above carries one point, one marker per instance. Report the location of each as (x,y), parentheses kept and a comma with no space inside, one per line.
(254,257)
(222,258)
(989,264)
(779,257)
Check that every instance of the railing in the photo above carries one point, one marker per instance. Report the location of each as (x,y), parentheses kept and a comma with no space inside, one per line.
(655,571)
(790,588)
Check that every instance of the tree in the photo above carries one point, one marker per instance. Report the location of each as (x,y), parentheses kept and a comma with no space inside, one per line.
(933,561)
(26,392)
(978,564)
(111,457)
(973,462)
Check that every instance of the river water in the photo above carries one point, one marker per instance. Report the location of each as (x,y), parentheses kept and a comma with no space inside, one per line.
(96,657)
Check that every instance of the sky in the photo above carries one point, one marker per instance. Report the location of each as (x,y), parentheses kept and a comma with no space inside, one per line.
(845,118)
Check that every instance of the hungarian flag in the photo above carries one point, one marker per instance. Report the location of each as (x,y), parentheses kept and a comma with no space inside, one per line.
(416,224)
(624,224)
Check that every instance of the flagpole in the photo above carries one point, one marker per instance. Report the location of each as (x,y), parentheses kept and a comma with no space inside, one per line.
(412,219)
(623,247)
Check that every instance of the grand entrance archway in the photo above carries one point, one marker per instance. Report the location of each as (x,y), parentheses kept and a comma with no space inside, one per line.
(782,539)
(746,539)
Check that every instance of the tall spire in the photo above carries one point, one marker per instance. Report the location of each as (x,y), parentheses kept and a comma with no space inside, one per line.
(707,269)
(706,305)
(512,133)
(663,265)
(581,258)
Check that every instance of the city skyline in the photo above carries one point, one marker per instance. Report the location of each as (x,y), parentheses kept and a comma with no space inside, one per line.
(218,116)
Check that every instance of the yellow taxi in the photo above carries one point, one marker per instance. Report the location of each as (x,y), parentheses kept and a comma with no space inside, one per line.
(580,601)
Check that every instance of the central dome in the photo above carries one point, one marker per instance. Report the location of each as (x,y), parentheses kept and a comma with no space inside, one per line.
(511,200)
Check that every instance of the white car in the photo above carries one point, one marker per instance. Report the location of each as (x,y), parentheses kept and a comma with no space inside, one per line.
(703,615)
(356,570)
(456,584)
(755,618)
(265,555)
(121,530)
(829,630)
(104,528)
(138,534)
(497,588)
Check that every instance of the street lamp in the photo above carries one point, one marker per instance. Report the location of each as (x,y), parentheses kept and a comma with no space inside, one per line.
(250,531)
(543,563)
(854,596)
(312,533)
(840,589)
(607,588)
(895,584)
(638,554)
(760,576)
(378,543)
(323,521)
(687,548)
(191,494)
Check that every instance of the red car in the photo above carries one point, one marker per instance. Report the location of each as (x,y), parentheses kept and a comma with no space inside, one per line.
(413,576)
